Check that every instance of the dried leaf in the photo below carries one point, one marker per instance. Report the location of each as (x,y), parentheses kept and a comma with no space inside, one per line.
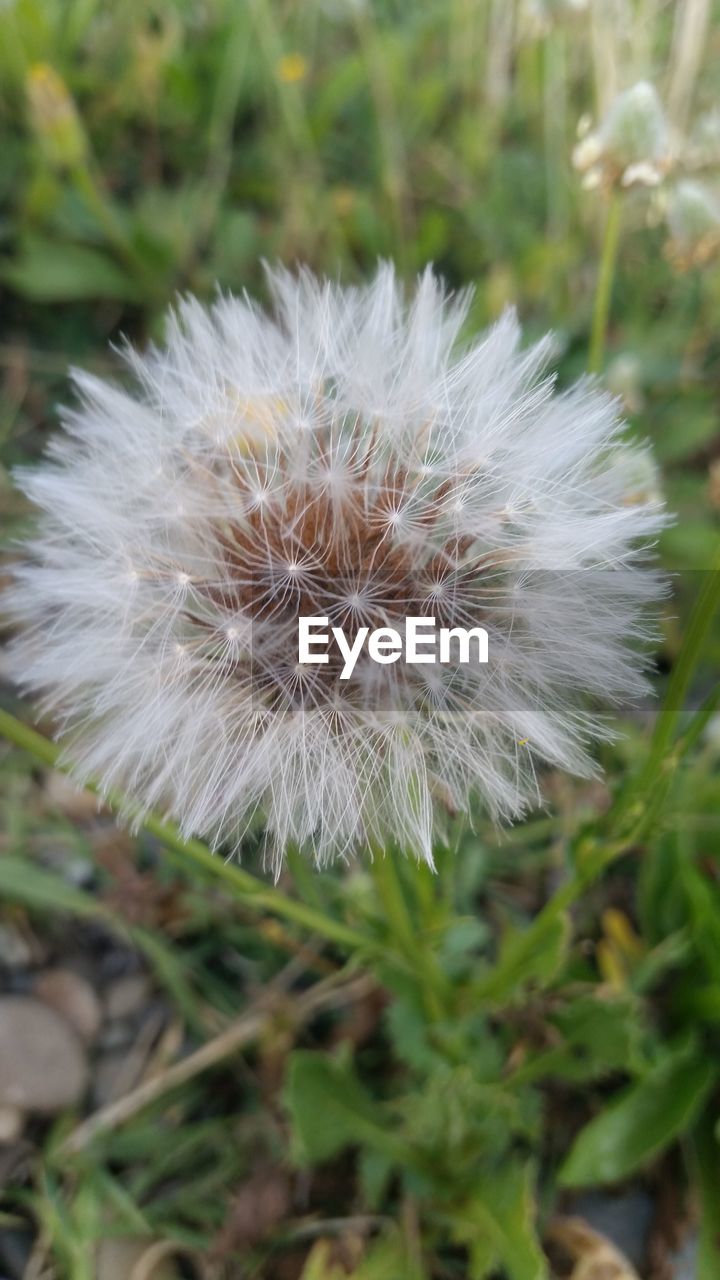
(593,1255)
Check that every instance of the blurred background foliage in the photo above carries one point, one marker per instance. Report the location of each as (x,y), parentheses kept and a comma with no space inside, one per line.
(151,148)
(155,148)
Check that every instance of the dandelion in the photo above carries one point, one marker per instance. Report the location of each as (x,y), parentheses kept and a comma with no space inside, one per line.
(347,457)
(624,378)
(701,149)
(693,219)
(631,146)
(536,18)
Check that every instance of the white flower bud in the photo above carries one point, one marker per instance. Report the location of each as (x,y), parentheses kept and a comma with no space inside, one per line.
(635,129)
(693,218)
(623,377)
(631,145)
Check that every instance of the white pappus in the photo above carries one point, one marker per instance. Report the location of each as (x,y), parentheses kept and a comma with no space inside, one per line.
(348,455)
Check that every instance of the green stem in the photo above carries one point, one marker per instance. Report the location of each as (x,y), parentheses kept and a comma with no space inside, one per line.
(388,130)
(303,158)
(101,208)
(405,934)
(392,897)
(640,803)
(603,292)
(704,610)
(244,884)
(655,774)
(227,90)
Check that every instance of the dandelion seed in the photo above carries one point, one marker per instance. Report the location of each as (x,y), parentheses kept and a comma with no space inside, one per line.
(380,470)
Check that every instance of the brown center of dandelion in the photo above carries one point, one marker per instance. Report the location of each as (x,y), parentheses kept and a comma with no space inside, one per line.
(370,552)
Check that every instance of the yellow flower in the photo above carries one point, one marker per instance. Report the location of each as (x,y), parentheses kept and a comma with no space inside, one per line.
(292,68)
(619,951)
(344,200)
(54,117)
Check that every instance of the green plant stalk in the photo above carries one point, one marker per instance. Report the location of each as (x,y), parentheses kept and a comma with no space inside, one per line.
(388,131)
(555,112)
(218,141)
(702,615)
(464,17)
(289,98)
(303,157)
(15,59)
(391,894)
(100,207)
(603,291)
(703,1158)
(244,884)
(661,761)
(643,799)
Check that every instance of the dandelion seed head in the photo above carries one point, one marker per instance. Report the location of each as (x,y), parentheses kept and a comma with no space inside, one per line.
(349,457)
(693,220)
(632,145)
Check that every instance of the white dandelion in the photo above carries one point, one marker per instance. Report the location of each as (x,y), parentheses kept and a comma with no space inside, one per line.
(632,145)
(693,220)
(348,457)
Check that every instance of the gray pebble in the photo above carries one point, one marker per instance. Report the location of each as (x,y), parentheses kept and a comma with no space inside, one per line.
(43,1067)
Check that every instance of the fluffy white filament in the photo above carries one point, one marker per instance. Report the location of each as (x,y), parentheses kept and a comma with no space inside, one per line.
(347,456)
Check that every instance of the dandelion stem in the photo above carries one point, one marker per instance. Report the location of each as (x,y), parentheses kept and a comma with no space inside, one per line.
(603,291)
(246,885)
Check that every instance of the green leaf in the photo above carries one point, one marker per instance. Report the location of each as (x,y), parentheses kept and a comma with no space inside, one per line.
(497,1225)
(607,1032)
(533,955)
(50,271)
(388,1257)
(330,1109)
(666,956)
(689,544)
(408,1029)
(25,882)
(374,1170)
(235,244)
(705,1163)
(693,427)
(598,1037)
(643,1121)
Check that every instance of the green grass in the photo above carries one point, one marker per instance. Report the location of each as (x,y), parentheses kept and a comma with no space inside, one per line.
(563,1030)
